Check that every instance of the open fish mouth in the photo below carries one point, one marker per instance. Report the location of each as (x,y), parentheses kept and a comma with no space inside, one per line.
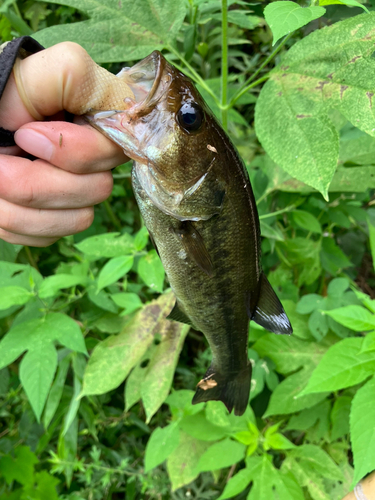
(148,80)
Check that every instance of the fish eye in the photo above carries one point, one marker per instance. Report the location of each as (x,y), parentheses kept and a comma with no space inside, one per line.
(190,117)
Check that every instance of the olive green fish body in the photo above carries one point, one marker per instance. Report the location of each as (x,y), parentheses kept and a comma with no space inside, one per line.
(195,196)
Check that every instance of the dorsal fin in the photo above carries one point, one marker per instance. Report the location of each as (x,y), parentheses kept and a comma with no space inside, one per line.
(269,312)
(178,315)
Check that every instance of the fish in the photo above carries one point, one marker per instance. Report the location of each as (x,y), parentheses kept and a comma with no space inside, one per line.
(195,197)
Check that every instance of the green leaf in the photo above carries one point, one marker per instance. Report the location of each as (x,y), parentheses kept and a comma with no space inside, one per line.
(289,353)
(162,443)
(160,371)
(318,460)
(307,221)
(107,245)
(319,72)
(352,3)
(371,230)
(217,414)
(56,391)
(222,454)
(118,32)
(237,483)
(33,334)
(113,270)
(20,468)
(200,428)
(356,318)
(151,271)
(141,239)
(182,462)
(362,432)
(337,287)
(284,17)
(112,359)
(129,301)
(332,257)
(37,370)
(368,342)
(53,284)
(284,398)
(309,303)
(340,417)
(44,487)
(342,366)
(14,296)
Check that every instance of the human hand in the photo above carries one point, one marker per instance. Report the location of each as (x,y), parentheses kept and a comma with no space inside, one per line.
(52,196)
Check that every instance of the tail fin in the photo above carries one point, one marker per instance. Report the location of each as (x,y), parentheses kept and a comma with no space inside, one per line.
(233,392)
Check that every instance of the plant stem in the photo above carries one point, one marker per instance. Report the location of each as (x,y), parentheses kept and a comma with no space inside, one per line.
(287,209)
(256,73)
(30,258)
(240,93)
(115,221)
(193,74)
(224,63)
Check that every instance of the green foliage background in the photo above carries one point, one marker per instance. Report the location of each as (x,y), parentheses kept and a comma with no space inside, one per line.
(96,384)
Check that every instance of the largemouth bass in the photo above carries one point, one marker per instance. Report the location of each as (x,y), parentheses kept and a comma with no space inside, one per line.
(195,197)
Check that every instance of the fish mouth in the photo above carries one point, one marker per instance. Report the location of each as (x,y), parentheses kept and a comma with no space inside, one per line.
(148,80)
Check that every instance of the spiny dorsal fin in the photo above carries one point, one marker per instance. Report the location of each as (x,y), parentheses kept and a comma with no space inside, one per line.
(178,315)
(269,312)
(194,246)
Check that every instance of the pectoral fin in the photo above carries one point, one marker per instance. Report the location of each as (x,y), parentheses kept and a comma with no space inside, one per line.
(194,246)
(269,312)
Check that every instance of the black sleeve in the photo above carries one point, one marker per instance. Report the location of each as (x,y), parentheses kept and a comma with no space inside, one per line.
(9,52)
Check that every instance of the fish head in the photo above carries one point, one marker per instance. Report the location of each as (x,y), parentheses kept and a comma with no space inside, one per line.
(167,126)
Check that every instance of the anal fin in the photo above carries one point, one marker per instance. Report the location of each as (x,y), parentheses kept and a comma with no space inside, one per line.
(269,312)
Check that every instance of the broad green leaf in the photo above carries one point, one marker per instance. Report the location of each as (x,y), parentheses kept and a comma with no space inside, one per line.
(368,342)
(141,239)
(107,245)
(356,318)
(352,3)
(319,72)
(14,296)
(299,321)
(277,441)
(332,257)
(113,270)
(222,454)
(342,366)
(371,230)
(340,417)
(309,303)
(337,287)
(37,370)
(284,17)
(160,371)
(217,414)
(137,375)
(306,476)
(119,31)
(268,231)
(20,467)
(112,359)
(56,391)
(307,221)
(362,430)
(284,398)
(130,302)
(151,271)
(44,487)
(162,443)
(237,483)
(289,353)
(318,460)
(53,284)
(102,299)
(200,428)
(33,334)
(79,364)
(182,462)
(8,252)
(179,403)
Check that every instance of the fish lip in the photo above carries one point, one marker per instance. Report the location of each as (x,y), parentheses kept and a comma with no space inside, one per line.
(159,63)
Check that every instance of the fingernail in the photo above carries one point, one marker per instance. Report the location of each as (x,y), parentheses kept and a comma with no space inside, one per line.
(34,143)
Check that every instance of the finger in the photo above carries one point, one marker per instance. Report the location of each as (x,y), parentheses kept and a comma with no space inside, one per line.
(44,223)
(69,146)
(20,239)
(37,184)
(65,72)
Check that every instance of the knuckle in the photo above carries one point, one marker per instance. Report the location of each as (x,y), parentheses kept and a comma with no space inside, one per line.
(84,219)
(106,186)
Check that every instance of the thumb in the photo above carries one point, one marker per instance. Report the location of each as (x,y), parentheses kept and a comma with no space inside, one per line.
(64,77)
